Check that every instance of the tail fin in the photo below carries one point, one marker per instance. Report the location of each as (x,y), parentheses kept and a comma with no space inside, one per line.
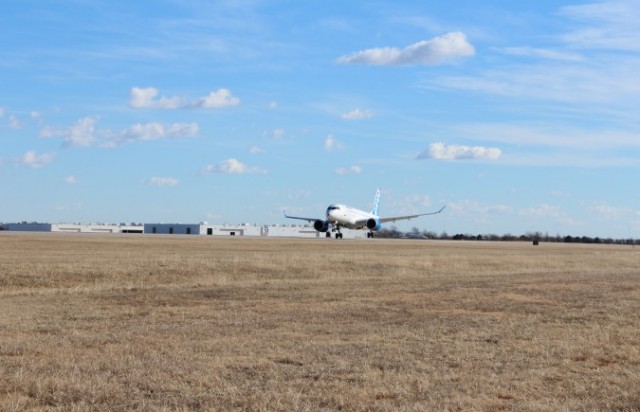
(376,202)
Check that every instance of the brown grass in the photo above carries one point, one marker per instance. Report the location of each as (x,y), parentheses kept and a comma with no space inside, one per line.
(194,323)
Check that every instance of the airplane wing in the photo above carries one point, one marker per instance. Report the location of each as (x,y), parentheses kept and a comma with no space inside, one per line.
(393,219)
(308,219)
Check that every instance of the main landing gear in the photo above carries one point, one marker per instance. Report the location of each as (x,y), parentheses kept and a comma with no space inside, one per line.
(338,233)
(370,235)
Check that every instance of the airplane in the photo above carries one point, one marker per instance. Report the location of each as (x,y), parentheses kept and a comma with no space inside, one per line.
(339,216)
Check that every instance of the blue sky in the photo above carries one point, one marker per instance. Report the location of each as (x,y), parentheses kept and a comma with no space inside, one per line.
(519,116)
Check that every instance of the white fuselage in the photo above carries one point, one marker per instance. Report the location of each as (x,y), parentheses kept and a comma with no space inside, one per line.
(348,217)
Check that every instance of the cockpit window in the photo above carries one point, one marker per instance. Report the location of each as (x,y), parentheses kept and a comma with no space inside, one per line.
(332,208)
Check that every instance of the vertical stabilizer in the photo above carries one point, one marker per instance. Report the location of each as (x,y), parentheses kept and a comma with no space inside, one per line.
(376,202)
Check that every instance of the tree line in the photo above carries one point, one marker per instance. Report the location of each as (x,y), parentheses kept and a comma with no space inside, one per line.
(416,233)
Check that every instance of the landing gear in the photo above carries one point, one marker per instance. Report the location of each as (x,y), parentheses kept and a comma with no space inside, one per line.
(338,233)
(370,235)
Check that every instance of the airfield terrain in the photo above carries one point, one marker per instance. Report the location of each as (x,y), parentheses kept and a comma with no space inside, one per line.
(149,322)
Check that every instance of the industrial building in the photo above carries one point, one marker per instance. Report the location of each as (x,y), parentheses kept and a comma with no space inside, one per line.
(206,229)
(197,229)
(73,227)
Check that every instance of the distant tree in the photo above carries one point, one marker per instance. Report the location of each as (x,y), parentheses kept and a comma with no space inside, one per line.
(429,234)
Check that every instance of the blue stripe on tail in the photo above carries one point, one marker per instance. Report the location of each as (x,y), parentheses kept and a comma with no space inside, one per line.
(376,202)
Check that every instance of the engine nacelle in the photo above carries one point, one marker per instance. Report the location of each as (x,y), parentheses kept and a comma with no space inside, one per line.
(373,224)
(321,225)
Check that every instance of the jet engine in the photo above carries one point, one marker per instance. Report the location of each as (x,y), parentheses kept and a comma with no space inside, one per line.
(321,225)
(374,224)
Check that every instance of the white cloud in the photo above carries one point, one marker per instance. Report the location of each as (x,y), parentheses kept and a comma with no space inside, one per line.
(82,133)
(217,100)
(34,160)
(556,136)
(609,212)
(606,35)
(471,207)
(162,181)
(357,114)
(353,170)
(147,98)
(256,150)
(611,25)
(330,143)
(15,122)
(427,52)
(2,111)
(418,200)
(544,210)
(152,131)
(157,131)
(277,133)
(232,166)
(70,180)
(440,151)
(272,105)
(543,54)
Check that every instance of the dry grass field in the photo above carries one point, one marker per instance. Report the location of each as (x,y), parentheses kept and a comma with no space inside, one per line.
(125,323)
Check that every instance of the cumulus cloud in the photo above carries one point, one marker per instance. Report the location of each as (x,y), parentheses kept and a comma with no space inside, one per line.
(232,166)
(149,98)
(432,52)
(81,133)
(440,151)
(84,133)
(70,180)
(162,181)
(353,170)
(256,150)
(357,114)
(218,99)
(34,160)
(330,143)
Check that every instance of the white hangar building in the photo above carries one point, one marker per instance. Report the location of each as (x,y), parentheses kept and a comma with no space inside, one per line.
(73,227)
(198,229)
(205,229)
